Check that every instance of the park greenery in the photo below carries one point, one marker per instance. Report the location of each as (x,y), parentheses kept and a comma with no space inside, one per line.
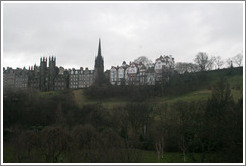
(193,117)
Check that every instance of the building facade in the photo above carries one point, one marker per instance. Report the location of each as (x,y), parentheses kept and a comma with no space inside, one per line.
(79,78)
(8,78)
(140,74)
(43,77)
(21,78)
(48,77)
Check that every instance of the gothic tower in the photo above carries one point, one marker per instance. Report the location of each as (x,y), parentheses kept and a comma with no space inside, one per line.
(52,72)
(99,64)
(99,67)
(43,74)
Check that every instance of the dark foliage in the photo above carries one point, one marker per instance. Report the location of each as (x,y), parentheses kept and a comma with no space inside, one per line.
(177,84)
(54,129)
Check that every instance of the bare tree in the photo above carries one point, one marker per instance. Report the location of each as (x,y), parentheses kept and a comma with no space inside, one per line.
(159,146)
(160,130)
(210,64)
(143,59)
(182,67)
(218,61)
(183,115)
(238,59)
(204,62)
(193,67)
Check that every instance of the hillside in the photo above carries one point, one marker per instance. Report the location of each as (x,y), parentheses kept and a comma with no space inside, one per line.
(235,79)
(122,129)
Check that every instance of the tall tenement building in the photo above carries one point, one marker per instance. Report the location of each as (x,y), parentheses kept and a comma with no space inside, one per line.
(142,74)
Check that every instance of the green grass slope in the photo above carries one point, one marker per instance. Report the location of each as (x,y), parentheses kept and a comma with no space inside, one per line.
(235,79)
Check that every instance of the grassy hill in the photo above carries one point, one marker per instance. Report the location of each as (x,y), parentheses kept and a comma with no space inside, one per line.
(235,80)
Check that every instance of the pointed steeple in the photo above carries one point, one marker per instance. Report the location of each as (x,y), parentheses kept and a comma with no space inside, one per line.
(99,59)
(99,67)
(99,49)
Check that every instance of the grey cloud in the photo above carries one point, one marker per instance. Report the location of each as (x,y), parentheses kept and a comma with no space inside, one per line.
(128,30)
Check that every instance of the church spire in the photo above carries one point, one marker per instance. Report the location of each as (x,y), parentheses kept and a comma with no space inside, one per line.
(99,59)
(99,67)
(99,48)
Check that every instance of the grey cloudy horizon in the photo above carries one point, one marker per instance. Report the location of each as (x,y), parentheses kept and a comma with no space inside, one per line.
(71,32)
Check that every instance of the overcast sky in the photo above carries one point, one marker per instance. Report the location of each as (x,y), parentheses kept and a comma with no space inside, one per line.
(70,31)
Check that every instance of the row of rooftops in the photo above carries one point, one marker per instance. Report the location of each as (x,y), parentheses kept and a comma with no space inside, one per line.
(164,58)
(37,69)
(81,71)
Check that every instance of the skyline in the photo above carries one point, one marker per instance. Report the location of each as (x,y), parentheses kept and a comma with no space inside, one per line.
(70,32)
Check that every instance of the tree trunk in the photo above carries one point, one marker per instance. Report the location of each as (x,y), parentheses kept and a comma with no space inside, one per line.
(184,155)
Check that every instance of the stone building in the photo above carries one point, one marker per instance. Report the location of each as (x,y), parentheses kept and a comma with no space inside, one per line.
(117,75)
(43,77)
(52,73)
(8,78)
(150,76)
(48,77)
(80,78)
(113,75)
(140,74)
(15,78)
(21,78)
(162,64)
(34,77)
(132,74)
(73,78)
(61,82)
(87,78)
